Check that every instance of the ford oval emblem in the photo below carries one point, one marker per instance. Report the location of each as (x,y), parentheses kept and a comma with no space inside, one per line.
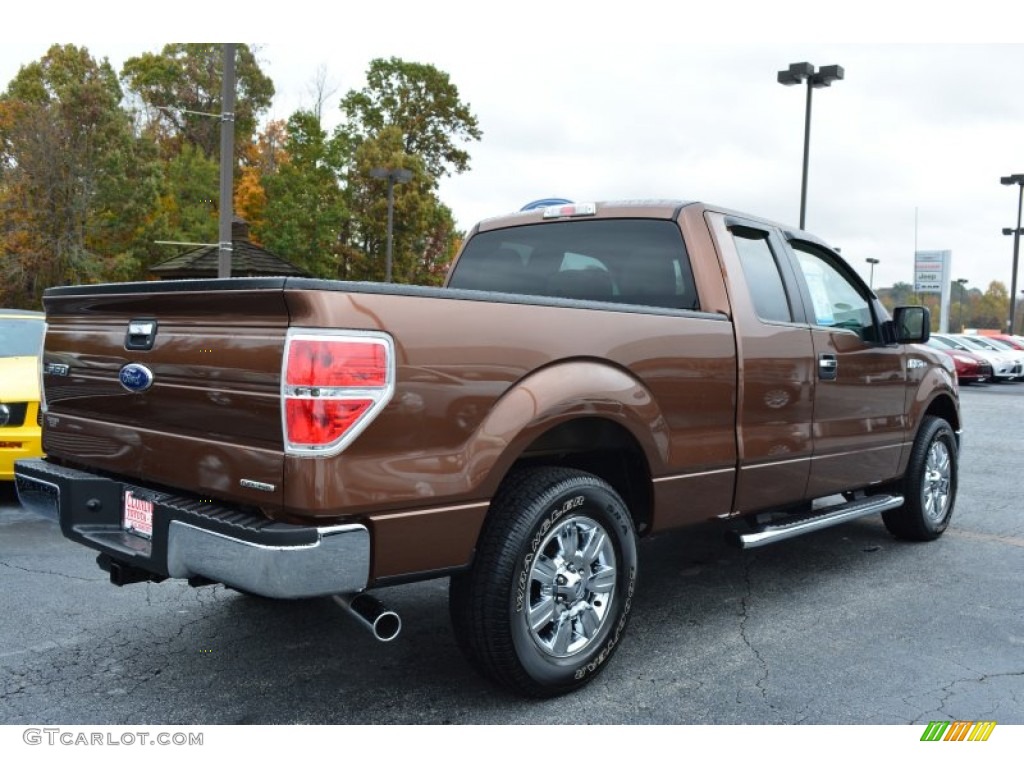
(135,377)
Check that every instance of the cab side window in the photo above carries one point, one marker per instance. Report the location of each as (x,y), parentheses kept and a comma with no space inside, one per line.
(767,290)
(836,301)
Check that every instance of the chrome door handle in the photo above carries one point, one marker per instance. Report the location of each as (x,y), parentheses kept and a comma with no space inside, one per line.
(828,367)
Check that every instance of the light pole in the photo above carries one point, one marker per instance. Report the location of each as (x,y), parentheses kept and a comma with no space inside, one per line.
(961,281)
(871,278)
(394,176)
(821,78)
(1018,179)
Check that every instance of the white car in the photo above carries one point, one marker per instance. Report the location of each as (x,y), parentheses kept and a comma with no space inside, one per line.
(1007,363)
(1001,347)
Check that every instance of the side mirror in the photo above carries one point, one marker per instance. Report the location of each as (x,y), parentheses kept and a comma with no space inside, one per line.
(913,325)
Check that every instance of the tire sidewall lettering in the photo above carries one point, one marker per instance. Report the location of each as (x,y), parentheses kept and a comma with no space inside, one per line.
(593,665)
(491,604)
(552,517)
(617,517)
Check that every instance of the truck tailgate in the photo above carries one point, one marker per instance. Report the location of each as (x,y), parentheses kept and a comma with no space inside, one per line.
(199,408)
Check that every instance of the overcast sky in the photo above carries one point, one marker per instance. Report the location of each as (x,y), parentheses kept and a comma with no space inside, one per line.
(595,101)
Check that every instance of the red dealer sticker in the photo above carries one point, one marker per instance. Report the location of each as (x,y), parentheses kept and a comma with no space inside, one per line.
(138,515)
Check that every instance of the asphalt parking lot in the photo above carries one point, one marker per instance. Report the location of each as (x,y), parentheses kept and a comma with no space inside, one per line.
(842,626)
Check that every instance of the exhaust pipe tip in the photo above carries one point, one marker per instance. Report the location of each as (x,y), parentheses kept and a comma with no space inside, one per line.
(383,623)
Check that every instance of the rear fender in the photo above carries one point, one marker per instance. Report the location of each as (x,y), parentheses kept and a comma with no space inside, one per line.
(557,394)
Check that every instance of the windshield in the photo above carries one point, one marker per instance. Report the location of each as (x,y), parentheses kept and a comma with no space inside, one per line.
(998,344)
(976,344)
(20,337)
(947,343)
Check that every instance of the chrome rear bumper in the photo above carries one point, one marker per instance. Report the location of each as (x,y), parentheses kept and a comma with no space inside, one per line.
(196,539)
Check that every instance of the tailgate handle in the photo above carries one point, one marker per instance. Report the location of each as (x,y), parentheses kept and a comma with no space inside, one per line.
(141,334)
(828,367)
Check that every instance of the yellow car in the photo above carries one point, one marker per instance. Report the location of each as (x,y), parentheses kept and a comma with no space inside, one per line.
(21,341)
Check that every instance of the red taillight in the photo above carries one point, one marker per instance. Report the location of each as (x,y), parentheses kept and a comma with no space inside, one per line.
(321,422)
(351,363)
(332,386)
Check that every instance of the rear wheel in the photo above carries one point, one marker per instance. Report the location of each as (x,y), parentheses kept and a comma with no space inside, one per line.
(929,486)
(549,594)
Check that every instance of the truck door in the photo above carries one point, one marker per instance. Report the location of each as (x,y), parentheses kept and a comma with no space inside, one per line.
(859,422)
(775,353)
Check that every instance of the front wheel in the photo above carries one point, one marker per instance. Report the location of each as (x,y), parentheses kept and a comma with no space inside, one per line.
(929,486)
(548,597)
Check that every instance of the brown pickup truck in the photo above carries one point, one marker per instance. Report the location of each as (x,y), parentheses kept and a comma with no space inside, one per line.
(589,374)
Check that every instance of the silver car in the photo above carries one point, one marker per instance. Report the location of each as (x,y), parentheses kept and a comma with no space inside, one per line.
(1001,347)
(1007,364)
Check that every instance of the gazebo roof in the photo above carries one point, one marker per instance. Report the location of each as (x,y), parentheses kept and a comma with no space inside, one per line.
(247,260)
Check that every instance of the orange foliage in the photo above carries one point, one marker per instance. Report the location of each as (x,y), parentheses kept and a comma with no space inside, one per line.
(251,200)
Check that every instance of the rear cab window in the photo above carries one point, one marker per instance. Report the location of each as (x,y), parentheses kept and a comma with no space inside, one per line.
(625,261)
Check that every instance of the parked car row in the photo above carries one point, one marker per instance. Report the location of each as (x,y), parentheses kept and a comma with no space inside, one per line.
(982,358)
(1017,342)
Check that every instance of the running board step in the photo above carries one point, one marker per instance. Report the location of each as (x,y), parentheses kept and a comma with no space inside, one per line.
(823,518)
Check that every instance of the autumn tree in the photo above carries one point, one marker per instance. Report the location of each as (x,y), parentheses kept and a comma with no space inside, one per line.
(438,246)
(250,200)
(76,185)
(180,88)
(260,160)
(422,103)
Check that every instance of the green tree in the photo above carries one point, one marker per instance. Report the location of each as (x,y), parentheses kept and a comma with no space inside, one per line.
(187,210)
(424,230)
(185,79)
(959,307)
(900,294)
(408,116)
(76,184)
(971,301)
(993,308)
(305,214)
(422,103)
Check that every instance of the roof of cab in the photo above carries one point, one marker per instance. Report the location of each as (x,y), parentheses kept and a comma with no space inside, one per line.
(606,209)
(645,209)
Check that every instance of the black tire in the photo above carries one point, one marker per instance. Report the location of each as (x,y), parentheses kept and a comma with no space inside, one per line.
(929,486)
(551,537)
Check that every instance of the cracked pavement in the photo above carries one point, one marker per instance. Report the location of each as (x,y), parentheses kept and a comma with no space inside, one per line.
(846,625)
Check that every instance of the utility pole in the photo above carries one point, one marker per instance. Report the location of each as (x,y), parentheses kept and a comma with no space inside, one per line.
(227,160)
